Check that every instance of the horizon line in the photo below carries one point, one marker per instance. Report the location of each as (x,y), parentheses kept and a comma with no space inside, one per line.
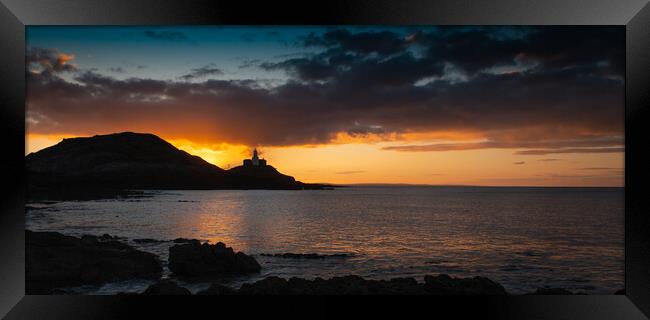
(367,184)
(452,185)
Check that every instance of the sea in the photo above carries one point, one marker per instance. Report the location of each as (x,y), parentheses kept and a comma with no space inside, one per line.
(521,237)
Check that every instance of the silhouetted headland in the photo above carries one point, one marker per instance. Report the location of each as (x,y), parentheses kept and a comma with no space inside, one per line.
(90,166)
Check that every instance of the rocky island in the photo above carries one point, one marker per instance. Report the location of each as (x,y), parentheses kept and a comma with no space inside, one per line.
(127,161)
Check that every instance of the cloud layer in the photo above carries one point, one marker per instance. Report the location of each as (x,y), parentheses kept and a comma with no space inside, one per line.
(202,72)
(47,62)
(548,89)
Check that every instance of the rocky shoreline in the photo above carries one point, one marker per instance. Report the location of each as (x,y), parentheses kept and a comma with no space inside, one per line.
(346,285)
(55,261)
(194,259)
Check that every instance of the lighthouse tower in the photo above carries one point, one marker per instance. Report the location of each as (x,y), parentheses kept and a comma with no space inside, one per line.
(255,161)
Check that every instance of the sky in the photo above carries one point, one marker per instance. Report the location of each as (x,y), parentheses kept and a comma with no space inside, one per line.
(442,105)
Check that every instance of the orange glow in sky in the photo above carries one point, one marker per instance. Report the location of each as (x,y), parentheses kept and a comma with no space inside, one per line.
(353,160)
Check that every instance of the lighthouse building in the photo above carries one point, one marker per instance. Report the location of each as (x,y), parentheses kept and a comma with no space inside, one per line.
(255,161)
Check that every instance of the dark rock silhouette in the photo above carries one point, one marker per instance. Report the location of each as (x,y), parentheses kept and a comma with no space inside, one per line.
(54,260)
(446,285)
(104,164)
(196,260)
(166,287)
(107,237)
(147,240)
(122,160)
(216,289)
(355,285)
(552,291)
(183,240)
(263,177)
(290,255)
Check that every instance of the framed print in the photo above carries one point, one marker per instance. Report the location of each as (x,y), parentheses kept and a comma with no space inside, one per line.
(325,155)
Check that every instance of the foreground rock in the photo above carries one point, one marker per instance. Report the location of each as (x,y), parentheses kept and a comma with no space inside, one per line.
(217,290)
(166,287)
(446,285)
(183,240)
(196,260)
(54,260)
(147,240)
(552,292)
(290,255)
(354,285)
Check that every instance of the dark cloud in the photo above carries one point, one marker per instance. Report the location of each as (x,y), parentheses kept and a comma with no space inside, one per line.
(552,47)
(360,130)
(549,160)
(531,89)
(306,69)
(593,49)
(48,61)
(384,42)
(517,143)
(248,63)
(519,162)
(202,72)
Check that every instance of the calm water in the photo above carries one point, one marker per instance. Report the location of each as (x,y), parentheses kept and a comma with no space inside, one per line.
(523,238)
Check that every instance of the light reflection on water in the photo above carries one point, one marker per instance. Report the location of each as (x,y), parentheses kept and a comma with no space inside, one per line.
(523,238)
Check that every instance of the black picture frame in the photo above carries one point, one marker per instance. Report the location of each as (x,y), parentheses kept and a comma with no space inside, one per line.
(633,14)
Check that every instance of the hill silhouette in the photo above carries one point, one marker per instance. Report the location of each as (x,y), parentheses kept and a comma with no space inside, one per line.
(139,161)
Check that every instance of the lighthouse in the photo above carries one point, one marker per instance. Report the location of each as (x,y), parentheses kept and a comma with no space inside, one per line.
(255,161)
